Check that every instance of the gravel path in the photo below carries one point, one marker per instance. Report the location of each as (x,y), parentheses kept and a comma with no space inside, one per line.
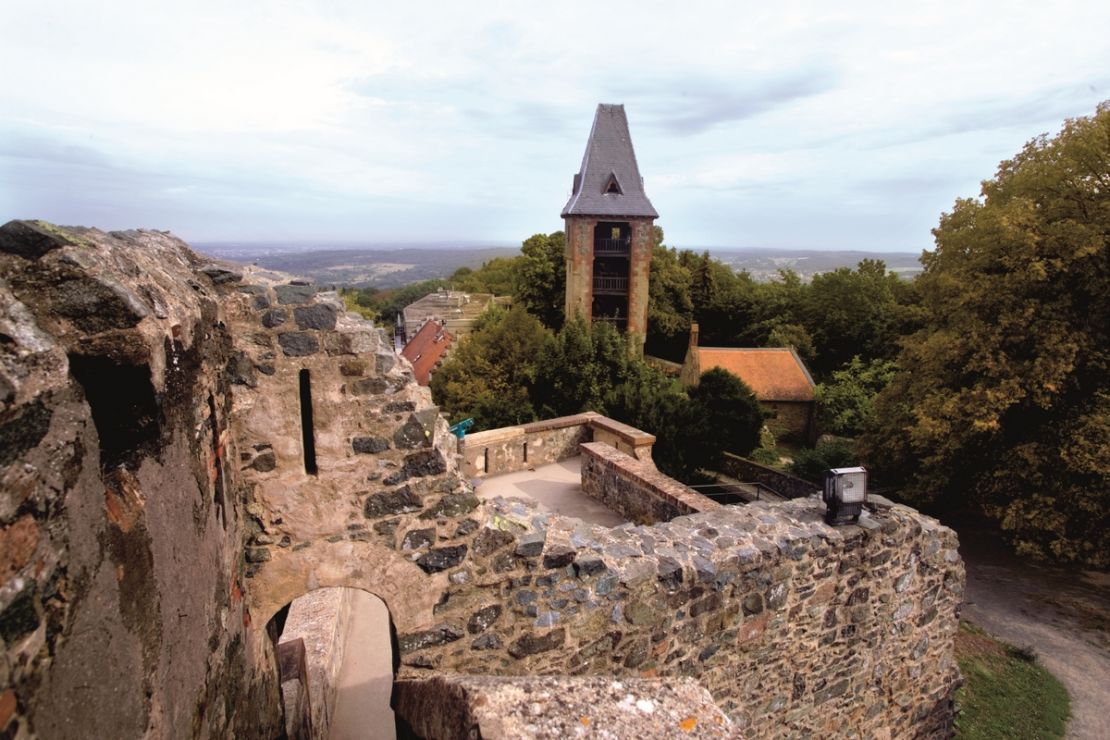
(1064,615)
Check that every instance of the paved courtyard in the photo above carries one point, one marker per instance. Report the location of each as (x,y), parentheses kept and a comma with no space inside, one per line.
(556,488)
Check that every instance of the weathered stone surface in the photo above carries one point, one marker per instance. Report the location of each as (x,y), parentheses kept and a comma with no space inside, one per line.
(533,644)
(220,275)
(418,538)
(441,558)
(298,343)
(416,432)
(316,316)
(481,620)
(240,370)
(370,386)
(452,505)
(291,294)
(557,707)
(369,445)
(531,544)
(274,318)
(385,503)
(558,557)
(491,540)
(488,641)
(439,635)
(425,463)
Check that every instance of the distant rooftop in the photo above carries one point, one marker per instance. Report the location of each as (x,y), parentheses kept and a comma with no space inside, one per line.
(456,309)
(609,182)
(774,374)
(426,349)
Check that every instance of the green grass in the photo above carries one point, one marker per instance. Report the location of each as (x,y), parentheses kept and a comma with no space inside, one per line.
(1006,693)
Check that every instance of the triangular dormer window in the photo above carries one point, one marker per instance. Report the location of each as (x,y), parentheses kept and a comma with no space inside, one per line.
(612,186)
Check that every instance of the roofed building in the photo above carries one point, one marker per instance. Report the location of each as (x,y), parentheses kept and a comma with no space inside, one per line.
(609,230)
(456,310)
(427,349)
(776,375)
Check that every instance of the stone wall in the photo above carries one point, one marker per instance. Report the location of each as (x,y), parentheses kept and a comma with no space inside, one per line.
(511,449)
(121,522)
(796,628)
(636,489)
(792,420)
(786,485)
(321,620)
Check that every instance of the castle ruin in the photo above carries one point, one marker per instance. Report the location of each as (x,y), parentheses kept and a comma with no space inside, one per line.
(186,449)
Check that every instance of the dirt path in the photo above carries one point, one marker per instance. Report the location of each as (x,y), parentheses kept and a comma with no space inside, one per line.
(1064,615)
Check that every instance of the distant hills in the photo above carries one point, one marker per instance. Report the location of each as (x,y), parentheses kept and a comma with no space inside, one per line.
(389,267)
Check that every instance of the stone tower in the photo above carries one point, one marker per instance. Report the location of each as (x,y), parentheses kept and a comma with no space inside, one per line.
(609,231)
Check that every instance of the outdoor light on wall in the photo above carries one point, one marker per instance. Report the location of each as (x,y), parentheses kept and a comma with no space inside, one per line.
(845,494)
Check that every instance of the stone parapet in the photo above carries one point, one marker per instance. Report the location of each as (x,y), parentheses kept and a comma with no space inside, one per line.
(557,707)
(795,627)
(510,449)
(635,488)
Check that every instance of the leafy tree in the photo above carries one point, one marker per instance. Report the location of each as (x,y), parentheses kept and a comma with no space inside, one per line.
(670,309)
(811,464)
(497,276)
(846,401)
(856,312)
(731,415)
(541,277)
(793,335)
(492,372)
(1003,398)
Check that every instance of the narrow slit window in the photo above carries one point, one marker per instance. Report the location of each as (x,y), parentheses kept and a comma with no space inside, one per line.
(525,452)
(308,439)
(485,460)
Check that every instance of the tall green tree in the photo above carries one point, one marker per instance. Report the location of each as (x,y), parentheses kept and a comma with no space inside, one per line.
(541,279)
(847,399)
(1003,399)
(491,374)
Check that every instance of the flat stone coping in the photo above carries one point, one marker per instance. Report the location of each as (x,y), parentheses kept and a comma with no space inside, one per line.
(561,707)
(556,488)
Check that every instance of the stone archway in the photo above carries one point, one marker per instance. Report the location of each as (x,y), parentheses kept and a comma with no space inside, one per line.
(408,592)
(400,596)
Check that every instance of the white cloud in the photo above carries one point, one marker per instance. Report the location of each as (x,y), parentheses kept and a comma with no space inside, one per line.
(349,118)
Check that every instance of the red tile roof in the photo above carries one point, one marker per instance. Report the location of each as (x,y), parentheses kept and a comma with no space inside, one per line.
(775,374)
(426,349)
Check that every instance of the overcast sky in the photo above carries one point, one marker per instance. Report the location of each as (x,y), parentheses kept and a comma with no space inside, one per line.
(763,124)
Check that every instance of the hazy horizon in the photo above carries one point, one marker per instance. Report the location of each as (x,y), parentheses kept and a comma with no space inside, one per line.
(786,126)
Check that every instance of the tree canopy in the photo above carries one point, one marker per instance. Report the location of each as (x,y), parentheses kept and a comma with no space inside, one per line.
(1003,397)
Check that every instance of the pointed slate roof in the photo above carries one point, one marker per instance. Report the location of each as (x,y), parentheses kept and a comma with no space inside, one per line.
(609,155)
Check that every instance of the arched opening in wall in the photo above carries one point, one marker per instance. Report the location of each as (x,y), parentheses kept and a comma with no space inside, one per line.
(336,655)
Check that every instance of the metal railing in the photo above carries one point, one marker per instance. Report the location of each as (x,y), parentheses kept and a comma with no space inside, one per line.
(606,284)
(748,491)
(613,246)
